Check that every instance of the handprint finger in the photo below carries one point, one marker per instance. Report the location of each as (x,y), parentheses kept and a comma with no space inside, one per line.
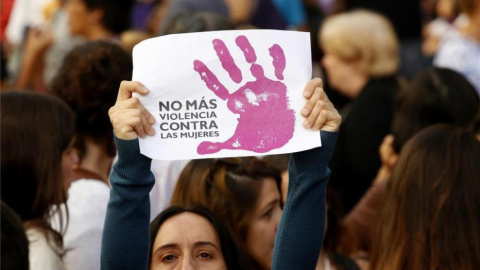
(210,79)
(247,49)
(279,62)
(227,60)
(257,71)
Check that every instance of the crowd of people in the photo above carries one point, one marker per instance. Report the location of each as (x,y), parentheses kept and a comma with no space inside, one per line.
(394,96)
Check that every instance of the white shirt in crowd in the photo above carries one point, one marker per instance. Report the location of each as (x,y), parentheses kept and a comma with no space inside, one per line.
(42,253)
(87,207)
(461,53)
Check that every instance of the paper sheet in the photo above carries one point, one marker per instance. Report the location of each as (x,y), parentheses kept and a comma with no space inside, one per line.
(225,93)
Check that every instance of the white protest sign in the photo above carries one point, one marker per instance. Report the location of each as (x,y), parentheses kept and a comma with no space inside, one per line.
(225,93)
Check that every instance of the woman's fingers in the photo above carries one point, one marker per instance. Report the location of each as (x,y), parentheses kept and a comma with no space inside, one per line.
(319,112)
(328,120)
(146,127)
(129,118)
(129,87)
(314,114)
(387,152)
(311,86)
(150,118)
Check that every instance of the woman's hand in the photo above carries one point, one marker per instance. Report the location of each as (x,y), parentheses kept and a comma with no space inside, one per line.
(38,41)
(128,116)
(319,112)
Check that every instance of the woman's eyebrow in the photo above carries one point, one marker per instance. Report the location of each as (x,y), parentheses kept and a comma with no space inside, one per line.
(205,243)
(270,204)
(167,246)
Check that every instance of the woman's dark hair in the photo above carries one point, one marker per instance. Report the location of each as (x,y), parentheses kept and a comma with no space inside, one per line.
(191,22)
(116,13)
(234,257)
(278,161)
(35,131)
(88,82)
(14,241)
(228,187)
(437,95)
(431,214)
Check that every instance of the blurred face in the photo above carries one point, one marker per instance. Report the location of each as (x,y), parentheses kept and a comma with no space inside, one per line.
(79,17)
(69,161)
(187,241)
(284,186)
(262,230)
(445,9)
(340,73)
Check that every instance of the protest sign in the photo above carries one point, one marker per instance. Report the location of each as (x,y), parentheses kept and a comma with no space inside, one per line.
(225,93)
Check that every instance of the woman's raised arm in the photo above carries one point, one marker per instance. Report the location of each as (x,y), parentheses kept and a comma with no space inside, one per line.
(125,242)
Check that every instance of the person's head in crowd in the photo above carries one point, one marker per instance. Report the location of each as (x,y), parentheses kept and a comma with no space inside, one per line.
(98,19)
(431,214)
(36,136)
(130,38)
(191,22)
(281,163)
(14,241)
(337,239)
(88,82)
(446,9)
(183,237)
(244,194)
(358,45)
(437,95)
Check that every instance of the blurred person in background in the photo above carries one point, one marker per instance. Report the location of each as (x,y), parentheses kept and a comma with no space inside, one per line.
(36,136)
(337,239)
(460,51)
(445,13)
(244,194)
(44,47)
(406,18)
(430,218)
(259,13)
(89,20)
(87,82)
(98,19)
(281,163)
(434,96)
(362,64)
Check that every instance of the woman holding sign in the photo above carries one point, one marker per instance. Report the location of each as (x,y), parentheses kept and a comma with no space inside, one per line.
(125,239)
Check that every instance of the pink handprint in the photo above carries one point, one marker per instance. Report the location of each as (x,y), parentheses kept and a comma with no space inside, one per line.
(265,121)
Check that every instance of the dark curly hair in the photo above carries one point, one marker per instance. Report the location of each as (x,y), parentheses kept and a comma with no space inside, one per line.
(116,13)
(88,82)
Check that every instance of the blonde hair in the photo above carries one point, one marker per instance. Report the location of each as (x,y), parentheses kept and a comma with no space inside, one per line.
(364,37)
